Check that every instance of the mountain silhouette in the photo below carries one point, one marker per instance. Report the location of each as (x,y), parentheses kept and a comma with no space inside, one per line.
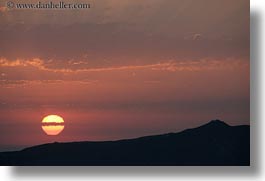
(213,144)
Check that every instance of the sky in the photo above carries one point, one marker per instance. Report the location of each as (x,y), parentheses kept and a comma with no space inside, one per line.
(122,69)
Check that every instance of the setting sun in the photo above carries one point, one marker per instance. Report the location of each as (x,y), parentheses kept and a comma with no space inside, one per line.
(52,125)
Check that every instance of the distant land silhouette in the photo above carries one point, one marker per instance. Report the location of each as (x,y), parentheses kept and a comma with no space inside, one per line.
(213,144)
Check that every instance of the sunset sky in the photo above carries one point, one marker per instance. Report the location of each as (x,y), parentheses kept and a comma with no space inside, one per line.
(122,69)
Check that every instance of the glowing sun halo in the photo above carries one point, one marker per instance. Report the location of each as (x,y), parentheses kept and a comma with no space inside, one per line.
(52,125)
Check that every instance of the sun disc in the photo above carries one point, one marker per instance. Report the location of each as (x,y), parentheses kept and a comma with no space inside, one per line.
(52,125)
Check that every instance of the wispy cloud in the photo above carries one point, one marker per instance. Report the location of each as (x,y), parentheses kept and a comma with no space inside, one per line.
(170,65)
(24,83)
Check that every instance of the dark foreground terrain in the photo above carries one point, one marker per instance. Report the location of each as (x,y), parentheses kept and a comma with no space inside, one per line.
(215,143)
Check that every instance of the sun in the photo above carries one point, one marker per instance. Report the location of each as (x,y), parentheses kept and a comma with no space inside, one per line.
(52,125)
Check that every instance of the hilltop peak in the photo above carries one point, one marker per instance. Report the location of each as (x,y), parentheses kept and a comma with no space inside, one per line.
(216,123)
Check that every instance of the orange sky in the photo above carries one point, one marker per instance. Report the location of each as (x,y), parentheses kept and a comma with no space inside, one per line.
(113,72)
